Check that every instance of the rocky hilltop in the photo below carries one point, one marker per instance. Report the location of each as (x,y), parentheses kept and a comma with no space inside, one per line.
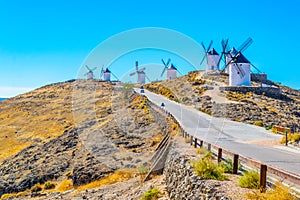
(257,105)
(74,133)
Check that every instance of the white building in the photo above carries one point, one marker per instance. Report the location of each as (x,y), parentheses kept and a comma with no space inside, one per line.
(212,60)
(141,77)
(106,74)
(171,72)
(228,58)
(90,75)
(239,71)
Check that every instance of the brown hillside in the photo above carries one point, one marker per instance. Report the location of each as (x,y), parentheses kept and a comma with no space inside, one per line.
(74,132)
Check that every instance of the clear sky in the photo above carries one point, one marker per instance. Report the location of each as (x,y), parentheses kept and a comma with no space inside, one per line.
(47,41)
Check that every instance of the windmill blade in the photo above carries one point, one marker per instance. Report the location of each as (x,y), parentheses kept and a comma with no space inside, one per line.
(209,46)
(162,60)
(133,73)
(224,44)
(255,68)
(245,45)
(177,69)
(203,46)
(240,70)
(88,68)
(101,73)
(94,69)
(114,76)
(163,71)
(169,60)
(142,69)
(203,59)
(179,72)
(147,78)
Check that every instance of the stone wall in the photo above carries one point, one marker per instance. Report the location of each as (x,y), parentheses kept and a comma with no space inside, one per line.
(183,183)
(268,91)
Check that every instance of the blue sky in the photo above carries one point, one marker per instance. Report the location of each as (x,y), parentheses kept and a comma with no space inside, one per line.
(47,41)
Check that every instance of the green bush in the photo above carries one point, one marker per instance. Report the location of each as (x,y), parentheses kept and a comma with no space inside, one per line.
(49,185)
(151,194)
(250,179)
(268,127)
(207,169)
(228,166)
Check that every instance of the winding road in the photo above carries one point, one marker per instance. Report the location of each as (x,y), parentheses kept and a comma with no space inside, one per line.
(234,136)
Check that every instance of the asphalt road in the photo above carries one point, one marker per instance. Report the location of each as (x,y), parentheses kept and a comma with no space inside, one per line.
(230,135)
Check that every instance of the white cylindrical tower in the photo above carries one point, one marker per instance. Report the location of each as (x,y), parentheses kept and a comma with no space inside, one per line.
(106,74)
(239,72)
(228,57)
(141,77)
(171,72)
(90,75)
(212,60)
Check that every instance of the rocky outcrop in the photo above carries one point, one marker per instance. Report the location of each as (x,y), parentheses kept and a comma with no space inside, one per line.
(183,183)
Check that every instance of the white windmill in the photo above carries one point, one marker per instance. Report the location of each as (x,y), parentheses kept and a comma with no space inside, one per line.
(90,73)
(141,75)
(171,70)
(106,73)
(212,57)
(238,67)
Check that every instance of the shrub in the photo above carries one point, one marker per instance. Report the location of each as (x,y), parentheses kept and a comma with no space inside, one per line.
(36,188)
(291,138)
(250,179)
(258,123)
(269,127)
(49,185)
(151,194)
(201,150)
(295,137)
(228,166)
(187,140)
(174,127)
(278,192)
(207,169)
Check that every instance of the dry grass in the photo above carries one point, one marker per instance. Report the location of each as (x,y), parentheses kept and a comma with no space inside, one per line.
(15,195)
(278,192)
(48,110)
(115,177)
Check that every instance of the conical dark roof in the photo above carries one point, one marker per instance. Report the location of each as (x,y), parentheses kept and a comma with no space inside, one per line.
(240,58)
(107,70)
(172,67)
(213,52)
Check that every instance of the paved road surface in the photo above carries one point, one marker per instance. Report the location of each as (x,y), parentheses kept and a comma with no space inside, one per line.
(230,135)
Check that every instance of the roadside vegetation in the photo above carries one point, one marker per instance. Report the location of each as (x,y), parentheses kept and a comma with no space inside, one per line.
(250,179)
(207,169)
(291,138)
(151,194)
(277,192)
